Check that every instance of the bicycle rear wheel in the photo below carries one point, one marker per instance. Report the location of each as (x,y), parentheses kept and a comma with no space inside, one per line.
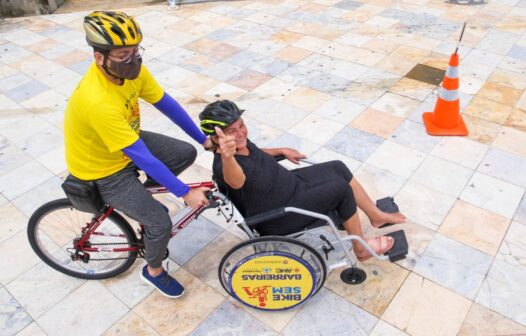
(54,227)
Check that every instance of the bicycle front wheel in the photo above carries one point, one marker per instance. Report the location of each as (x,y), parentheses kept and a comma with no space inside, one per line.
(54,228)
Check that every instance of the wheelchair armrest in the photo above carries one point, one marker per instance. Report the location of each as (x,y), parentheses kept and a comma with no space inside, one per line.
(279,158)
(265,216)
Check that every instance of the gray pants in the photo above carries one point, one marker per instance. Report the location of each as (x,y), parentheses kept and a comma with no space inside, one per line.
(125,192)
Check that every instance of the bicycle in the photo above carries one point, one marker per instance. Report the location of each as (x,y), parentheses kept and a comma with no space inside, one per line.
(95,246)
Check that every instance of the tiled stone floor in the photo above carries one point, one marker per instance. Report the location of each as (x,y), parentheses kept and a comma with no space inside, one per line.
(323,76)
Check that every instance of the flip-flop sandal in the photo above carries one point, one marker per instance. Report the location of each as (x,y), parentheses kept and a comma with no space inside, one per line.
(388,205)
(366,255)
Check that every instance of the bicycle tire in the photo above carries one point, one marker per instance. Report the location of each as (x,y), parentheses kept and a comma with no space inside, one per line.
(49,251)
(318,260)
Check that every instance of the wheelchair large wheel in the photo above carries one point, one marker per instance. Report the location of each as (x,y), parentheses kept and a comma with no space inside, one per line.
(272,272)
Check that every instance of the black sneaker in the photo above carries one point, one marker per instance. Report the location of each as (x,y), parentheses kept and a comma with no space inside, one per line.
(165,283)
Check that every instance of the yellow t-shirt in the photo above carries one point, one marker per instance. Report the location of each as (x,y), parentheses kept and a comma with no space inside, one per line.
(101,119)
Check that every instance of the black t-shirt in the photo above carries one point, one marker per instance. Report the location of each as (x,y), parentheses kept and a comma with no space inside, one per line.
(268,185)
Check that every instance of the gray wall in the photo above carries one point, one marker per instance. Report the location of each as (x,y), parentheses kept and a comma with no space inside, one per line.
(28,7)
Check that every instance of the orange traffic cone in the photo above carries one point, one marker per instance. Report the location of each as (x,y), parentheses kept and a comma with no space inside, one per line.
(446,118)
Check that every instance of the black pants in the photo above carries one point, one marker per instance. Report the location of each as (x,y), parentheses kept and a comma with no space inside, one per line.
(324,188)
(125,192)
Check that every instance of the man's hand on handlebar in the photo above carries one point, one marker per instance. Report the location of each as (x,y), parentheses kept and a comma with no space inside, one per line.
(196,197)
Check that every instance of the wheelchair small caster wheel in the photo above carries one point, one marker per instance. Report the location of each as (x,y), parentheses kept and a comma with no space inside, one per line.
(353,276)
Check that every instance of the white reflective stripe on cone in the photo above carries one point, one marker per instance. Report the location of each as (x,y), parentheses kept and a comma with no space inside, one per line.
(448,95)
(452,72)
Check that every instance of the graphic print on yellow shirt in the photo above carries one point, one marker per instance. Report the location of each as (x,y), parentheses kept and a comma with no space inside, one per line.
(101,119)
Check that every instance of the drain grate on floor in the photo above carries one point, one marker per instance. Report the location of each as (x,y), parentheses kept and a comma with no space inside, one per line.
(426,74)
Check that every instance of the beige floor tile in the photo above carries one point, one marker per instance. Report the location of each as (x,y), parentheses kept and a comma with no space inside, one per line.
(274,89)
(522,102)
(475,227)
(482,321)
(377,122)
(89,310)
(436,60)
(285,36)
(412,88)
(204,264)
(11,220)
(292,54)
(422,307)
(180,316)
(131,324)
(488,110)
(508,78)
(128,287)
(73,57)
(42,287)
(396,104)
(461,150)
(396,158)
(481,130)
(442,175)
(365,57)
(424,205)
(500,94)
(17,257)
(249,79)
(511,140)
(316,129)
(383,328)
(378,183)
(513,248)
(374,295)
(338,50)
(380,45)
(517,120)
(306,98)
(310,43)
(196,85)
(223,91)
(32,330)
(492,194)
(395,65)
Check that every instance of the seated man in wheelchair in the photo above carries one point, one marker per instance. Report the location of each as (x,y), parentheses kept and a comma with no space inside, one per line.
(256,183)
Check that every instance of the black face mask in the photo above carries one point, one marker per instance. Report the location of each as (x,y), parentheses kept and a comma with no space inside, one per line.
(128,69)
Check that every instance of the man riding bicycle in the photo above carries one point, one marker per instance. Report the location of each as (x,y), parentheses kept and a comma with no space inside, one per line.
(104,142)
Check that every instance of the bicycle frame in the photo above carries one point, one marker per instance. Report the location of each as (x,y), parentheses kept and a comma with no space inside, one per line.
(176,227)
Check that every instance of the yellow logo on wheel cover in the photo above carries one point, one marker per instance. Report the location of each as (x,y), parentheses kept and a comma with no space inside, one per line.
(272,282)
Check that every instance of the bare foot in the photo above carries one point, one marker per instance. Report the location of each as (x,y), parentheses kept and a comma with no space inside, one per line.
(380,245)
(385,217)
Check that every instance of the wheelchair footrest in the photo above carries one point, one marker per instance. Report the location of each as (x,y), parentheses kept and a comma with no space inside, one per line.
(400,248)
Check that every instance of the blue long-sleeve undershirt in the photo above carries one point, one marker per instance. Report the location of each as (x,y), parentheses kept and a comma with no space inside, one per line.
(171,108)
(144,159)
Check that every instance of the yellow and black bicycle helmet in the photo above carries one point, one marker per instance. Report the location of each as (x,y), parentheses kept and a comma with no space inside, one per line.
(109,30)
(221,113)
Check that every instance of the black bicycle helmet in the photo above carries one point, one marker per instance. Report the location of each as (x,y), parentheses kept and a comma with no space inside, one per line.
(221,113)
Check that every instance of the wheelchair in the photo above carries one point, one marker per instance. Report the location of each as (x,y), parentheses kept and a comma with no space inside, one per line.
(270,273)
